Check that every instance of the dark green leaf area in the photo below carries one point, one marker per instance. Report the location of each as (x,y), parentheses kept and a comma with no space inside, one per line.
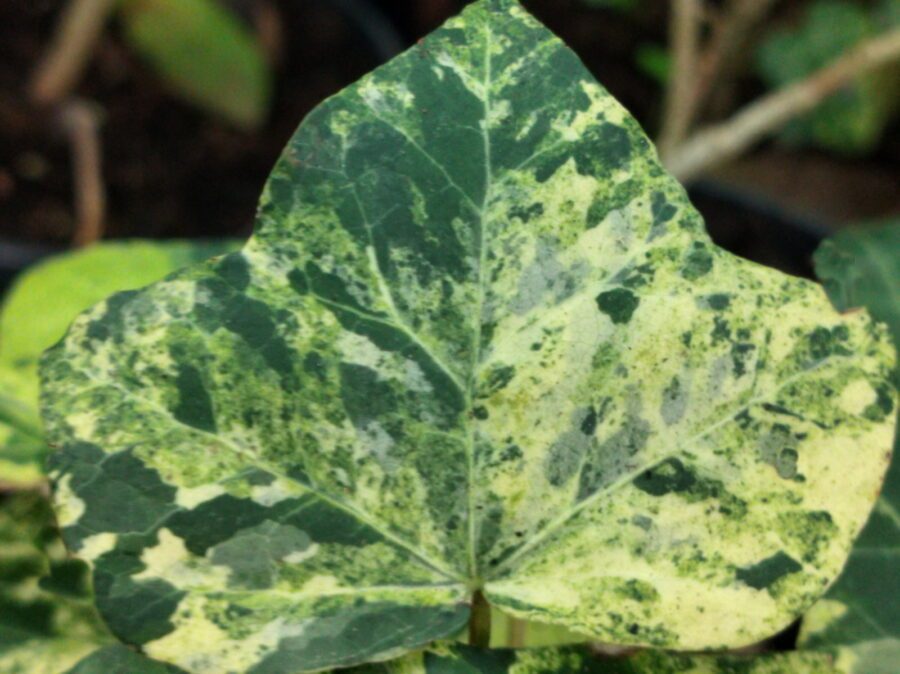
(674,477)
(763,575)
(334,639)
(136,611)
(220,519)
(119,659)
(122,494)
(618,304)
(698,262)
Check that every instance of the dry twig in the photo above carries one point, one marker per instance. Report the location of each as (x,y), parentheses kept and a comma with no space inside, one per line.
(80,122)
(724,141)
(726,47)
(61,67)
(684,34)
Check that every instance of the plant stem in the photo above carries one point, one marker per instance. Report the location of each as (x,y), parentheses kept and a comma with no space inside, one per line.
(684,34)
(518,633)
(726,48)
(725,141)
(79,120)
(480,621)
(61,67)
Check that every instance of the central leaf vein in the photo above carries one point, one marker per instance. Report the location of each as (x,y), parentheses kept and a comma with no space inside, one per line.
(474,571)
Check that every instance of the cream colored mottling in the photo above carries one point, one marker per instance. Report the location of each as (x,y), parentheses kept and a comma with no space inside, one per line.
(94,546)
(199,645)
(857,396)
(570,573)
(360,350)
(190,497)
(170,559)
(276,492)
(83,423)
(45,656)
(823,614)
(856,480)
(69,507)
(301,556)
(320,585)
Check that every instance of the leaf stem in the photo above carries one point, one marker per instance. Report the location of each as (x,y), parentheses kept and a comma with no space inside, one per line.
(684,29)
(480,621)
(73,44)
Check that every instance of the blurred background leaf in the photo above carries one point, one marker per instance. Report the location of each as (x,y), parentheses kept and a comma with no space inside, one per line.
(205,53)
(852,120)
(654,60)
(860,267)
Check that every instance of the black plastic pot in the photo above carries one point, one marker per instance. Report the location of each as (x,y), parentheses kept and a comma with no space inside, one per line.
(16,256)
(381,33)
(755,228)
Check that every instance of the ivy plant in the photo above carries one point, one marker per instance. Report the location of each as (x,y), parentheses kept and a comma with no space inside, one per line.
(480,351)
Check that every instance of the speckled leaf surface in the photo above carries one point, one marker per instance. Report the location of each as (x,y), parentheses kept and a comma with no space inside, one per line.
(465,660)
(859,618)
(35,315)
(479,340)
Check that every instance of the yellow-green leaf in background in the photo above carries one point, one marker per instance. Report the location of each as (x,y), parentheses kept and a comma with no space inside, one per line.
(204,53)
(38,309)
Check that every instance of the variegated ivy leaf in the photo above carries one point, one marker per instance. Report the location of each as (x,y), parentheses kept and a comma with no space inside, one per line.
(479,341)
(36,313)
(465,660)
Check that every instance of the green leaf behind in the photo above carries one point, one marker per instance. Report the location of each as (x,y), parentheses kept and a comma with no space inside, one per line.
(851,121)
(204,52)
